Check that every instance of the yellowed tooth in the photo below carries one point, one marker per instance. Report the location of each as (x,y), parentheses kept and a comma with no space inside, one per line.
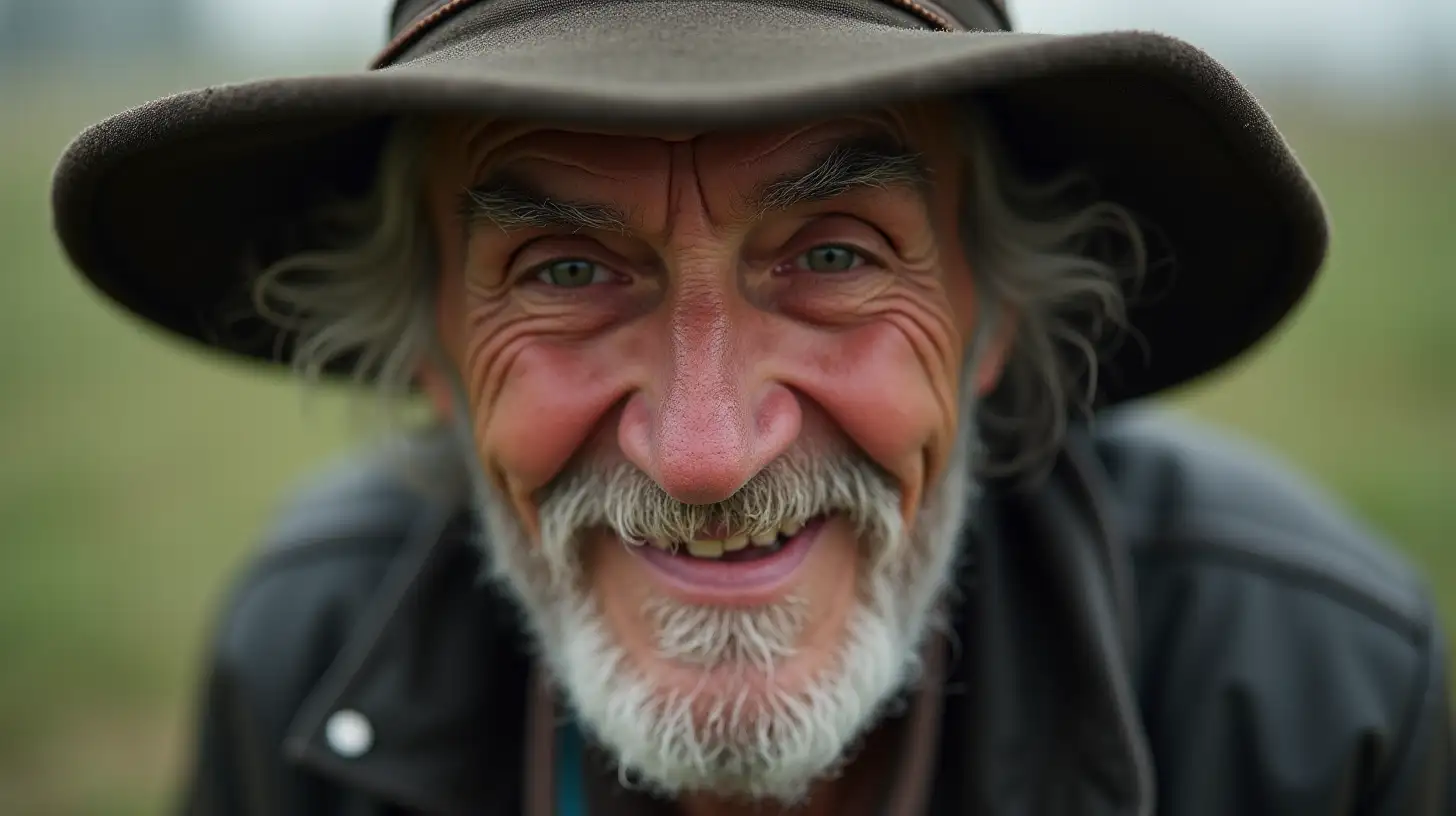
(765,538)
(789,528)
(706,549)
(735,543)
(660,543)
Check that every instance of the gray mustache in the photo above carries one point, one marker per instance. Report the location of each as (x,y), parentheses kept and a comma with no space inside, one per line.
(794,487)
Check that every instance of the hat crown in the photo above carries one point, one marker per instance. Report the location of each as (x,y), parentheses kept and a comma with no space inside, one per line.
(408,13)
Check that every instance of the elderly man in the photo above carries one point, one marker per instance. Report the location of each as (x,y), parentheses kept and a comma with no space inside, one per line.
(778,352)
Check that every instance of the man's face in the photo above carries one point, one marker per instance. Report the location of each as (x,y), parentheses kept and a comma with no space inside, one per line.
(714,385)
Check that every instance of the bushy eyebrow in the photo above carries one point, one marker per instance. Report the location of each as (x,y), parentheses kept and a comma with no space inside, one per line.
(846,167)
(508,204)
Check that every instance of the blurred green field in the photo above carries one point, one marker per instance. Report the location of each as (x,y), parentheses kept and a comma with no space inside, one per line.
(136,473)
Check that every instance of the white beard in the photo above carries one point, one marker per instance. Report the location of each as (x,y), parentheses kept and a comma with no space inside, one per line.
(757,741)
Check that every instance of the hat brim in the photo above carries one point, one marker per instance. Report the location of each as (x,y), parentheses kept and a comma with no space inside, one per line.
(158,206)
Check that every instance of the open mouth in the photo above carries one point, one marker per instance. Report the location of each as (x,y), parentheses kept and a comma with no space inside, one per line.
(744,567)
(737,548)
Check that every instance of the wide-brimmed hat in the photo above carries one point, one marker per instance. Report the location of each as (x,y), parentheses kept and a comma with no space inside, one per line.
(161,205)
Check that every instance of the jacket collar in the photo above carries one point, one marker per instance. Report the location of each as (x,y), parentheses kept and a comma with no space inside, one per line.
(1040,715)
(1049,721)
(436,666)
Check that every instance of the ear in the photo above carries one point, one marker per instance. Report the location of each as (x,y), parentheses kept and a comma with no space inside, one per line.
(998,342)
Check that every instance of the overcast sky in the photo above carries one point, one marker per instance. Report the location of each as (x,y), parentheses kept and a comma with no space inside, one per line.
(1377,46)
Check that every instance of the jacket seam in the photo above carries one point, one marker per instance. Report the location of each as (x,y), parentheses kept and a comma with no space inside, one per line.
(422,546)
(1411,719)
(1189,553)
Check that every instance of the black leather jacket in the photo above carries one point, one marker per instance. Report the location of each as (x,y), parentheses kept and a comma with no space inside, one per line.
(1169,624)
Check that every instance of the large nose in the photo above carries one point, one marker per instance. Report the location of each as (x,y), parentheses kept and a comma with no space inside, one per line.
(708,424)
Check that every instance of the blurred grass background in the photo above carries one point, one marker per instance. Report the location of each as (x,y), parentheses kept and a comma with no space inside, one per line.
(137,473)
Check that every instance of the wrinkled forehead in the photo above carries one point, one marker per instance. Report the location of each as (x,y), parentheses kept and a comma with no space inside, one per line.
(475,143)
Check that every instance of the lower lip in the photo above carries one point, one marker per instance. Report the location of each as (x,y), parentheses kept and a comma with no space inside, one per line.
(745,583)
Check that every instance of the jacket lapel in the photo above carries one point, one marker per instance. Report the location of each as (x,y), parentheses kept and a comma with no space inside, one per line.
(437,666)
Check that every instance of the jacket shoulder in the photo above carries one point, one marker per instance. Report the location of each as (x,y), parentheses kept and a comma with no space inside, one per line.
(287,615)
(1186,494)
(326,550)
(1289,660)
(367,497)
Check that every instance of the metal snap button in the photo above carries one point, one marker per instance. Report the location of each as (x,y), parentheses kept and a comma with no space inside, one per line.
(349,733)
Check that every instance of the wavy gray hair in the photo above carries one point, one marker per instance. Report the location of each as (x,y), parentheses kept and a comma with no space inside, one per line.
(1050,256)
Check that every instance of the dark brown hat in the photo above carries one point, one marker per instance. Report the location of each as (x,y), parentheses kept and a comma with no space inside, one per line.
(159,206)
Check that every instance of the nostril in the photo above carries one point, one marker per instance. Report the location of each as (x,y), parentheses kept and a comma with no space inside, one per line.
(634,433)
(778,419)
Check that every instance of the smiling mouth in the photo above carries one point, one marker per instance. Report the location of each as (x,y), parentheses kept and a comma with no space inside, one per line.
(738,548)
(740,569)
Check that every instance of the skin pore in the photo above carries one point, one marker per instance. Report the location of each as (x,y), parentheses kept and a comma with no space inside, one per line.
(698,307)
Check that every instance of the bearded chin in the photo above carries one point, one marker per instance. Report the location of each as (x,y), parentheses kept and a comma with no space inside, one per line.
(753,740)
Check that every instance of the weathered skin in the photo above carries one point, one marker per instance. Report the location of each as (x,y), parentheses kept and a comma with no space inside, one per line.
(704,346)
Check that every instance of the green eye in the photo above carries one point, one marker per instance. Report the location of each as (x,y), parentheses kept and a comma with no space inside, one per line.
(571,273)
(830,258)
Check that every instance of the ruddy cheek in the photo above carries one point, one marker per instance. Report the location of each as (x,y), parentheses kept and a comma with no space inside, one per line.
(549,401)
(876,388)
(889,388)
